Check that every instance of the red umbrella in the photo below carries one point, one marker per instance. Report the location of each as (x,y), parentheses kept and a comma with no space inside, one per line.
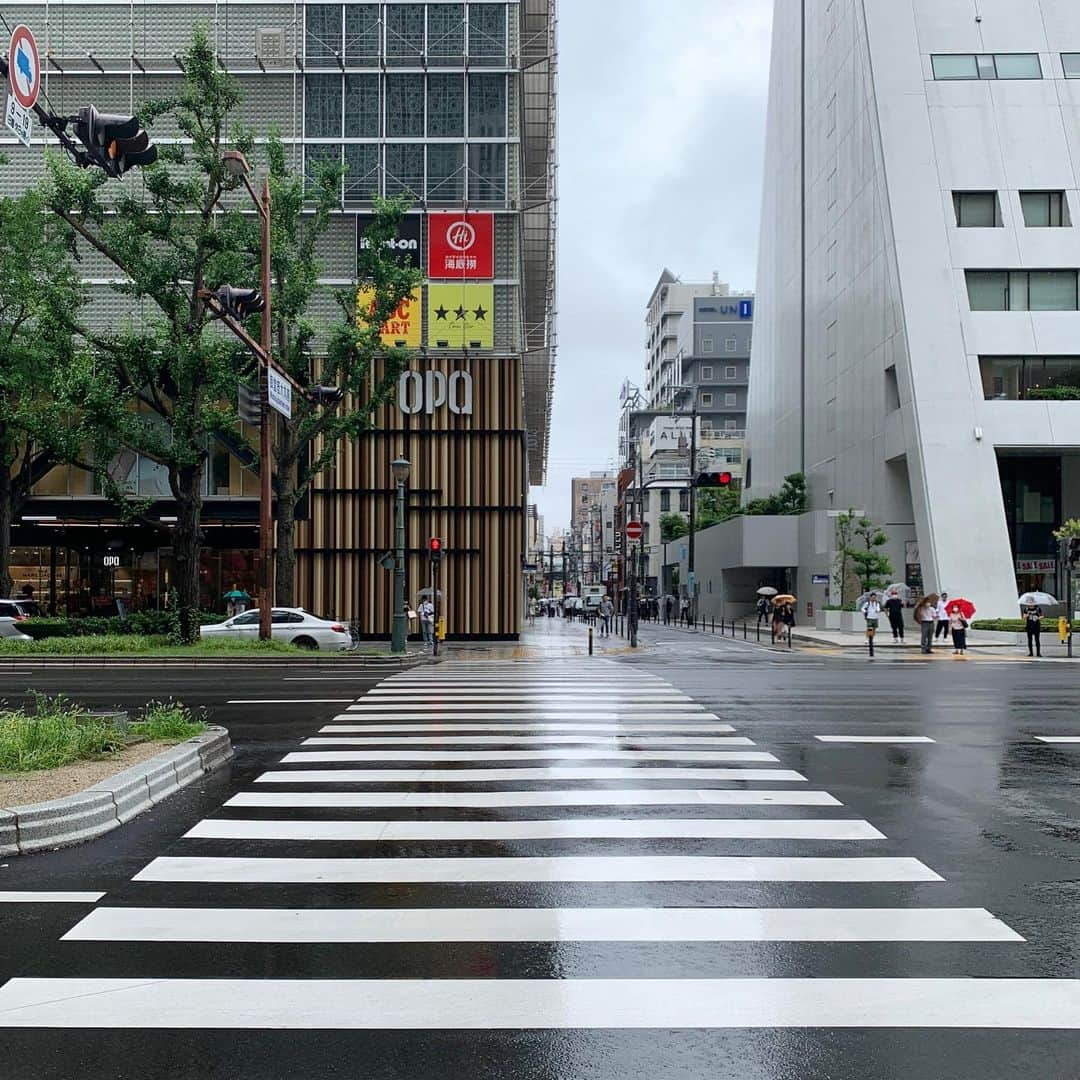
(958,603)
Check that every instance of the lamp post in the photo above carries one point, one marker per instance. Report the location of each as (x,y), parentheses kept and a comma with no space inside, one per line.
(400,469)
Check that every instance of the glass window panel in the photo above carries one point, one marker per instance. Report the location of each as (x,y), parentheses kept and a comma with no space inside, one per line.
(487,106)
(665,500)
(976,209)
(153,478)
(405,31)
(1062,371)
(446,106)
(446,31)
(1070,63)
(405,169)
(362,179)
(1001,377)
(446,173)
(322,106)
(1043,209)
(322,38)
(987,290)
(1052,290)
(985,64)
(405,106)
(487,172)
(362,106)
(1018,65)
(954,67)
(362,31)
(487,32)
(1018,291)
(313,155)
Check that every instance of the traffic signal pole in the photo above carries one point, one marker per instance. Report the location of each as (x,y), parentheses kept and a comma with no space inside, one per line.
(692,501)
(266,491)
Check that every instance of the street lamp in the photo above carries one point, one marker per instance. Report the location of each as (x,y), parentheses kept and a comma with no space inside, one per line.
(400,470)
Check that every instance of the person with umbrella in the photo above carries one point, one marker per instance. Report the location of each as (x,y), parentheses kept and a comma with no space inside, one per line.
(894,608)
(960,611)
(1033,626)
(426,611)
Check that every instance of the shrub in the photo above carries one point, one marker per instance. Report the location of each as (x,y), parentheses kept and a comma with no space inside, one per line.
(1053,393)
(1012,626)
(169,720)
(58,733)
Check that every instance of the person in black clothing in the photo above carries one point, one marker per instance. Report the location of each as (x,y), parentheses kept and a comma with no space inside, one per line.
(894,608)
(1033,625)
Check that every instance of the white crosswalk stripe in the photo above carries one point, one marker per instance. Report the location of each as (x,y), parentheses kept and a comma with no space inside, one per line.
(470,805)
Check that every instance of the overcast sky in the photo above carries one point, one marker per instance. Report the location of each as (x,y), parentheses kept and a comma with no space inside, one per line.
(661,135)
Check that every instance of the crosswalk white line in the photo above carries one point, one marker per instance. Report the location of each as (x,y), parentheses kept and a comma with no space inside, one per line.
(1058,738)
(577,797)
(539,720)
(329,735)
(558,829)
(472,776)
(290,701)
(525,728)
(873,738)
(43,896)
(242,870)
(530,1004)
(538,708)
(301,757)
(309,926)
(617,693)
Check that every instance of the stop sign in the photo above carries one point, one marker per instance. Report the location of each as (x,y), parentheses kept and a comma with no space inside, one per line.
(633,530)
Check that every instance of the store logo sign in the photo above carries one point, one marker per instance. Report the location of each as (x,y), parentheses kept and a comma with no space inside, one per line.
(461,245)
(424,392)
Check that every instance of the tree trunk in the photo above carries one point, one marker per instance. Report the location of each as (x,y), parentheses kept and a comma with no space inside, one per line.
(187,545)
(7,514)
(285,555)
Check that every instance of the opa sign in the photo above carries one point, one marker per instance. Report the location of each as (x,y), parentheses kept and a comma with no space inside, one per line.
(424,392)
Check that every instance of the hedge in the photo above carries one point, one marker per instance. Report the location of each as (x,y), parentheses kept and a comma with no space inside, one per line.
(140,622)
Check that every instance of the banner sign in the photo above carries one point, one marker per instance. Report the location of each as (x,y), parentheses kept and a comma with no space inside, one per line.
(461,317)
(406,245)
(1036,566)
(403,327)
(461,245)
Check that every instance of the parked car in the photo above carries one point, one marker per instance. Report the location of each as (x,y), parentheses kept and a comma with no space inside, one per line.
(19,609)
(294,625)
(9,629)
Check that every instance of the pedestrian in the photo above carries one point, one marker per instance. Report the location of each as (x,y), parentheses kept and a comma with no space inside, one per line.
(426,611)
(684,610)
(669,607)
(958,625)
(787,620)
(1033,626)
(894,608)
(605,611)
(762,609)
(871,610)
(942,614)
(925,615)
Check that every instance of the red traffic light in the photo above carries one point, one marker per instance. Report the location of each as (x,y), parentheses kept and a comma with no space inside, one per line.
(435,545)
(713,479)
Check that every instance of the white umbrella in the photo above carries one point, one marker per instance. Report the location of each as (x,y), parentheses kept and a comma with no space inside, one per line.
(767,590)
(1041,598)
(901,590)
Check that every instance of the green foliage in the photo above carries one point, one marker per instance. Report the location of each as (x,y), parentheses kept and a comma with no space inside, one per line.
(1053,393)
(142,645)
(790,499)
(1012,626)
(672,527)
(717,504)
(168,721)
(140,622)
(57,733)
(869,565)
(1068,529)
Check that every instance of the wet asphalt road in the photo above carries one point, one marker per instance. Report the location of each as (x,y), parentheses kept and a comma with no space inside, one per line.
(985,806)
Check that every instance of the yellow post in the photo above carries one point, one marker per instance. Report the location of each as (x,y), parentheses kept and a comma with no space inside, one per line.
(1063,628)
(440,629)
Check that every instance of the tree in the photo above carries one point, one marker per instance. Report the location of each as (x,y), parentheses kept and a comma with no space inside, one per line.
(790,499)
(164,385)
(845,527)
(870,565)
(717,504)
(672,527)
(40,296)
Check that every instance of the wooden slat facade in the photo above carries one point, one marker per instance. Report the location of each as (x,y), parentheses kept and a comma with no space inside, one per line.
(466,486)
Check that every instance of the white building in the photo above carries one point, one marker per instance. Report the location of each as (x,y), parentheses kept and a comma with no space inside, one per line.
(917,283)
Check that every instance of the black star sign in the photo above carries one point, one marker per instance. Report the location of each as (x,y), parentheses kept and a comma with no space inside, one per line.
(460,313)
(441,312)
(480,314)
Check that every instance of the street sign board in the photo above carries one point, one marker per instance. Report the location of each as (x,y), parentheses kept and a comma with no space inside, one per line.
(633,530)
(24,68)
(280,392)
(18,120)
(819,579)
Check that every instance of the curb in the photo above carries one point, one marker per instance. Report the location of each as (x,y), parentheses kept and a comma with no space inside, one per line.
(117,660)
(114,801)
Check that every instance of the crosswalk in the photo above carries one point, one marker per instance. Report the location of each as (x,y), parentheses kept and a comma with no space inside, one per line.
(565,803)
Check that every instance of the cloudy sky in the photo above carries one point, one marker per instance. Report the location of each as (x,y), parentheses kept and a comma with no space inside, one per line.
(661,135)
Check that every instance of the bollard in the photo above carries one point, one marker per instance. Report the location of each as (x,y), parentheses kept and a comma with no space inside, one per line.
(714,626)
(759,630)
(590,641)
(744,631)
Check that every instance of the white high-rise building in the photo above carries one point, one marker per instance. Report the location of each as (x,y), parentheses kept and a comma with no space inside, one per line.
(917,344)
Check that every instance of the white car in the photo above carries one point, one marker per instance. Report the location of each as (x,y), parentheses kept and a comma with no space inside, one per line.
(9,629)
(294,625)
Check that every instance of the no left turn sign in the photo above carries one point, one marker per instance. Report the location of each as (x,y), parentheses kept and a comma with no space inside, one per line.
(24,68)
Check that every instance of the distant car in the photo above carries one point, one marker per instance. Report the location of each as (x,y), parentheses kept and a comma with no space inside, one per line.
(9,629)
(19,609)
(294,625)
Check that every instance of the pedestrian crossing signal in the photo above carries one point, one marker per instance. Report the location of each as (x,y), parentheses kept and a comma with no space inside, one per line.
(435,549)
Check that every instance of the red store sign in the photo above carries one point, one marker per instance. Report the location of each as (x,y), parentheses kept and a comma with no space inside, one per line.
(461,245)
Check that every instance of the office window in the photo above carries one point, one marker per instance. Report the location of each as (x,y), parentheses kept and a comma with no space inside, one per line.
(665,500)
(731,344)
(446,172)
(405,106)
(1022,290)
(487,172)
(362,178)
(1020,378)
(446,106)
(362,106)
(731,372)
(1044,209)
(446,31)
(976,209)
(1070,64)
(706,401)
(487,106)
(322,107)
(322,31)
(706,344)
(363,32)
(487,33)
(986,66)
(730,399)
(706,373)
(730,425)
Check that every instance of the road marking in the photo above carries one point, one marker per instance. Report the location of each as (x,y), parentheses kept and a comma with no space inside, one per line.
(577,797)
(600,868)
(558,829)
(15,896)
(873,738)
(526,740)
(291,701)
(538,708)
(308,926)
(470,776)
(302,757)
(1058,738)
(620,691)
(540,720)
(669,730)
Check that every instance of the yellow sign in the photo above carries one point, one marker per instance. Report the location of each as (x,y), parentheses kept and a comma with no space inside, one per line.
(403,327)
(461,317)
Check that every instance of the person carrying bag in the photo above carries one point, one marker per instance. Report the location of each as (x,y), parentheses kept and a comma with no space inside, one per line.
(871,610)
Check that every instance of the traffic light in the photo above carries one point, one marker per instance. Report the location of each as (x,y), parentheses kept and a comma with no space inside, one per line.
(249,404)
(435,549)
(240,303)
(325,395)
(114,142)
(713,480)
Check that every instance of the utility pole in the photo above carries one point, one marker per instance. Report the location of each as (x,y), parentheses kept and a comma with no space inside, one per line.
(691,580)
